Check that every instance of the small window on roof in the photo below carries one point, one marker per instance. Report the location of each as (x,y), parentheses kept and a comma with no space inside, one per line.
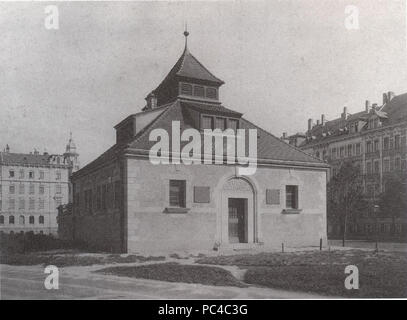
(199,91)
(206,122)
(186,89)
(211,93)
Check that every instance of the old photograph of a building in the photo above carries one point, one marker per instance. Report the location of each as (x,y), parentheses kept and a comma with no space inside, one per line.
(216,150)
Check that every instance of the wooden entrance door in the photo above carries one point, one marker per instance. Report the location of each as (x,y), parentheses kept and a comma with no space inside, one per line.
(237,220)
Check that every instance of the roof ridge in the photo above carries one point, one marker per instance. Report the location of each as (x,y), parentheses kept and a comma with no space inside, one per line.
(147,127)
(287,144)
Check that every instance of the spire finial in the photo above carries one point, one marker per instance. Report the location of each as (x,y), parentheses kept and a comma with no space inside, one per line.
(186,34)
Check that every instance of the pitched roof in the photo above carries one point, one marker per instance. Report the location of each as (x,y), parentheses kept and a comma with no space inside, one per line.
(188,66)
(24,158)
(217,108)
(392,112)
(269,147)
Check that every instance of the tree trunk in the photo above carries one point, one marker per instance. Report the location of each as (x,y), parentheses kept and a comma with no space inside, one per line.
(344,229)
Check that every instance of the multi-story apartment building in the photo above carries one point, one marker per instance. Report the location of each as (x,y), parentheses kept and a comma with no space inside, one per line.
(32,187)
(373,139)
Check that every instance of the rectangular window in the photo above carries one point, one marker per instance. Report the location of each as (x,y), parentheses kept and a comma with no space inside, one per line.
(207,122)
(233,124)
(369,147)
(41,189)
(21,174)
(199,91)
(397,141)
(31,204)
(21,189)
(386,143)
(186,89)
(11,204)
(58,175)
(58,188)
(177,193)
(12,189)
(211,93)
(368,168)
(358,149)
(397,164)
(291,197)
(41,204)
(376,167)
(386,165)
(31,188)
(273,196)
(342,152)
(349,150)
(11,174)
(334,153)
(21,204)
(31,175)
(220,123)
(376,145)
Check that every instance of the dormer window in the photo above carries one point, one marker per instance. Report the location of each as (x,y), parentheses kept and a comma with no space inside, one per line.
(195,90)
(186,89)
(211,93)
(220,123)
(199,91)
(207,122)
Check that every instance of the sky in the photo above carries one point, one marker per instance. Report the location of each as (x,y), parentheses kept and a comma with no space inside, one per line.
(282,62)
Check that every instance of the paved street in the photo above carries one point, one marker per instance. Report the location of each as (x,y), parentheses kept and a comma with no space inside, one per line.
(27,282)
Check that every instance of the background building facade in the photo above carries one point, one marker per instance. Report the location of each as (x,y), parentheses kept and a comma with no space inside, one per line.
(32,187)
(375,141)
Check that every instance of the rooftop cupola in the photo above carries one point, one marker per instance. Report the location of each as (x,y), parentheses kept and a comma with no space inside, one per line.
(188,79)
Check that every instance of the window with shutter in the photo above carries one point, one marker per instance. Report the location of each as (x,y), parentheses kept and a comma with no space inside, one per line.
(211,93)
(186,89)
(199,91)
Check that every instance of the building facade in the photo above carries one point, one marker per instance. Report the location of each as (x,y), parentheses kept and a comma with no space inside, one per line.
(32,187)
(124,202)
(375,141)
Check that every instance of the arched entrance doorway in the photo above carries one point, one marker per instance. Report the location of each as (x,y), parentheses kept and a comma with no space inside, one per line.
(238,218)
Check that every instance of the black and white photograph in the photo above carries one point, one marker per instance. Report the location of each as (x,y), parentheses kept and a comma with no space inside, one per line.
(216,152)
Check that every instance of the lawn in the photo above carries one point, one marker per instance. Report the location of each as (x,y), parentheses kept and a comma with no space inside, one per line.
(174,272)
(66,259)
(380,275)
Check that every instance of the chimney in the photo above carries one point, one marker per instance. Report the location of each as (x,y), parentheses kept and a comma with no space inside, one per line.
(317,122)
(7,148)
(284,135)
(344,114)
(309,124)
(384,98)
(390,96)
(151,101)
(323,121)
(367,106)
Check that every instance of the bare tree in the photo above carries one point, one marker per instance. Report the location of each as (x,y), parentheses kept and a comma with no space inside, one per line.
(345,196)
